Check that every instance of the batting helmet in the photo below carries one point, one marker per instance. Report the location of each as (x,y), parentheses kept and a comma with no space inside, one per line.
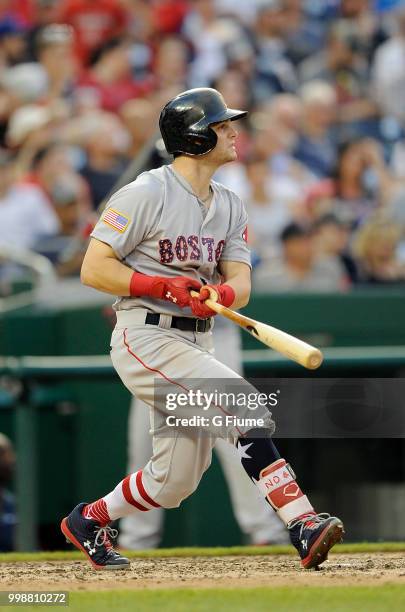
(185,121)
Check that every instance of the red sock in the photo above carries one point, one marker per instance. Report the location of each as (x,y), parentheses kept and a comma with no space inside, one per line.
(97,511)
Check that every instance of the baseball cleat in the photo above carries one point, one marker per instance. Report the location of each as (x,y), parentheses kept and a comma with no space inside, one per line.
(93,540)
(314,535)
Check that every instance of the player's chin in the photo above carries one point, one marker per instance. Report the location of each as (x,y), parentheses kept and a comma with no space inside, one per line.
(231,155)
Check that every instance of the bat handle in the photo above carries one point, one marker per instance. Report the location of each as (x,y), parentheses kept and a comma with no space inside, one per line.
(210,303)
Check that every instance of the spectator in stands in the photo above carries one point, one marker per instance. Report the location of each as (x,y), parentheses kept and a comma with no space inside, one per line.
(171,66)
(95,22)
(26,122)
(316,146)
(8,513)
(25,212)
(12,42)
(298,268)
(53,164)
(142,28)
(54,51)
(375,247)
(366,26)
(338,55)
(25,83)
(289,177)
(343,66)
(19,10)
(363,182)
(286,110)
(168,15)
(305,31)
(208,34)
(67,196)
(46,13)
(64,196)
(234,87)
(66,249)
(331,236)
(319,200)
(388,70)
(275,72)
(106,148)
(32,127)
(355,190)
(268,216)
(140,119)
(49,162)
(110,75)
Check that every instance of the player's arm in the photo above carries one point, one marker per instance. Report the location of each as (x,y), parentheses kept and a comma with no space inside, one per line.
(102,270)
(237,275)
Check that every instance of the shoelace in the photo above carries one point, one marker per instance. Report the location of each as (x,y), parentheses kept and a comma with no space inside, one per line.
(105,533)
(315,519)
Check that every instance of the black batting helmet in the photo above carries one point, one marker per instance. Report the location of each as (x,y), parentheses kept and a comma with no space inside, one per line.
(185,121)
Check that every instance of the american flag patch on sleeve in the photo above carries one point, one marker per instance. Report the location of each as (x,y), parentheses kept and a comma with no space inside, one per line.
(115,219)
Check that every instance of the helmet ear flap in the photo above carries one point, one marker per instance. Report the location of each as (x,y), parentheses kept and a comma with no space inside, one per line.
(200,143)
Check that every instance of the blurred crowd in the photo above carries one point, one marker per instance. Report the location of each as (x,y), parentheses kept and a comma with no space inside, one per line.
(321,155)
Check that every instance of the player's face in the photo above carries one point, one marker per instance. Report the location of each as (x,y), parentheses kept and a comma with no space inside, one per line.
(225,149)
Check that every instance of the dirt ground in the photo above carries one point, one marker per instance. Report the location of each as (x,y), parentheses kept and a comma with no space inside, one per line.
(206,572)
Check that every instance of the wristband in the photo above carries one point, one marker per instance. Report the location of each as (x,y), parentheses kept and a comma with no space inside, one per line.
(140,284)
(227,295)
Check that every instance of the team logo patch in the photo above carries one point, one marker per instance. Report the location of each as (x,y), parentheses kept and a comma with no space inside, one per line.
(116,220)
(245,234)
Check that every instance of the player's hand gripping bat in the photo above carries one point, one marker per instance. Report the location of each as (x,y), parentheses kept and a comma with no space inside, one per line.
(293,348)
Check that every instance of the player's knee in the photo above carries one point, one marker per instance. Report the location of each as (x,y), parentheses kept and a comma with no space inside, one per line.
(176,482)
(178,487)
(171,497)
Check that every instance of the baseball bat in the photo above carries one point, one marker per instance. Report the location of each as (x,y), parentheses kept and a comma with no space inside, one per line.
(293,348)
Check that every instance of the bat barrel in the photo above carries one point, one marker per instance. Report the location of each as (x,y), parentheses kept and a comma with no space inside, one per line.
(293,348)
(315,359)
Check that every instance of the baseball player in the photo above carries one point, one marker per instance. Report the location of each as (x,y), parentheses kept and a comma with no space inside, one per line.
(172,231)
(255,517)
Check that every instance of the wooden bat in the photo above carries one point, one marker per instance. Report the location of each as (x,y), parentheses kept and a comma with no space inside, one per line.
(293,348)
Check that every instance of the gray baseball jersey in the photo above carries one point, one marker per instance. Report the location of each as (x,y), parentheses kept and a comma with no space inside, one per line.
(156,225)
